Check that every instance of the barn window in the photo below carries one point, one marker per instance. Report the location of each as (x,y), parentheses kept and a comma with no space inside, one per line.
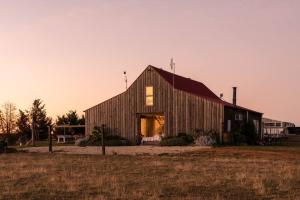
(149,96)
(278,124)
(238,117)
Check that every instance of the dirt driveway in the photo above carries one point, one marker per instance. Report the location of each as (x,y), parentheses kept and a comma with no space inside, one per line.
(128,150)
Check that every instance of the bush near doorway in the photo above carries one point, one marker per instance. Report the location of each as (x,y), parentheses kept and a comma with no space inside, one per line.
(182,139)
(113,140)
(205,138)
(110,140)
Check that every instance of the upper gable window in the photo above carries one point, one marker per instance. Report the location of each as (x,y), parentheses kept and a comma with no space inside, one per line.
(149,96)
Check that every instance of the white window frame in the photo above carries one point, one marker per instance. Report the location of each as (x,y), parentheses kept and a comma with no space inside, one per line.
(228,126)
(256,124)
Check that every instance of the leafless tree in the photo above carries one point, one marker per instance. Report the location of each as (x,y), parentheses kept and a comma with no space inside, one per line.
(8,118)
(2,126)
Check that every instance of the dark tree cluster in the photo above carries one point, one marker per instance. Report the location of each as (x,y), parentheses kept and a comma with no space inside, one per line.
(70,118)
(32,124)
(23,124)
(39,120)
(247,134)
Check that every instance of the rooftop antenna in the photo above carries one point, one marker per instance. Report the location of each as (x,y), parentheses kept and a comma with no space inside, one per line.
(172,65)
(125,78)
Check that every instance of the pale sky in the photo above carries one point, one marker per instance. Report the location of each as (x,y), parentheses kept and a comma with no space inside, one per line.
(72,53)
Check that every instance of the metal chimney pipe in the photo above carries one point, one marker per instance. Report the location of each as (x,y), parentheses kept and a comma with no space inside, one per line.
(234,96)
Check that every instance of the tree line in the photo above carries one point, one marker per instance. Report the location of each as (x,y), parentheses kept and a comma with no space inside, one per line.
(34,122)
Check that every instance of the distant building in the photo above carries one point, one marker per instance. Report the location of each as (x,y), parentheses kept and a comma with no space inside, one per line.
(275,127)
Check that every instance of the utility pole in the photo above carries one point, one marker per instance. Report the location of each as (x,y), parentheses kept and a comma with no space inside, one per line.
(172,65)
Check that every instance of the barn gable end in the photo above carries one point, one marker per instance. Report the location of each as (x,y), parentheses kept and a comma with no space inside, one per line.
(183,111)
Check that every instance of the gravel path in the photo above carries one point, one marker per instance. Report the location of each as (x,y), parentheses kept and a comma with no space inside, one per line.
(128,150)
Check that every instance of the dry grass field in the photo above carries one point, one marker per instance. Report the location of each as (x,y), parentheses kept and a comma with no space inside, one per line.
(217,173)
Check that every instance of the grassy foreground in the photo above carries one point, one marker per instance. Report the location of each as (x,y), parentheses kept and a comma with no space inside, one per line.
(220,173)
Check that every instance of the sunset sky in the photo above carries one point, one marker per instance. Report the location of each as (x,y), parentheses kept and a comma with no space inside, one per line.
(72,53)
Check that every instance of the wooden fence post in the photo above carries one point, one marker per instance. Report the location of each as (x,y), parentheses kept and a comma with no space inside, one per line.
(50,139)
(33,134)
(102,140)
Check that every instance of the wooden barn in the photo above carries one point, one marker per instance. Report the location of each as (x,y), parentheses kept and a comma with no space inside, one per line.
(160,103)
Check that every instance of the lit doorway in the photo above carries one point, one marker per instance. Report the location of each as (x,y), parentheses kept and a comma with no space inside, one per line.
(152,125)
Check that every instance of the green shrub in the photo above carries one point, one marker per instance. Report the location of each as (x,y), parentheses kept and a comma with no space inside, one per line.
(238,138)
(215,138)
(188,138)
(206,138)
(175,141)
(3,146)
(11,139)
(249,131)
(139,138)
(181,140)
(246,135)
(117,142)
(83,142)
(110,140)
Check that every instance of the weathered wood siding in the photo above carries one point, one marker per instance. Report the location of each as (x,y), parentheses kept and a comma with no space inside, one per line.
(185,113)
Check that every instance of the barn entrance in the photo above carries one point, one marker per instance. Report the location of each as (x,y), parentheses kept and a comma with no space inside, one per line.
(152,125)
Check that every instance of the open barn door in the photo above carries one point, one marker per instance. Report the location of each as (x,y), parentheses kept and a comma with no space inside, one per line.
(152,127)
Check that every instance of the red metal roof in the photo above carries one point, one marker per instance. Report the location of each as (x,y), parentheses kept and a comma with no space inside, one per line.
(188,85)
(194,87)
(238,107)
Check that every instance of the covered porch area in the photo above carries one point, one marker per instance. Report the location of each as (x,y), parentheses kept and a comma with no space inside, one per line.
(151,127)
